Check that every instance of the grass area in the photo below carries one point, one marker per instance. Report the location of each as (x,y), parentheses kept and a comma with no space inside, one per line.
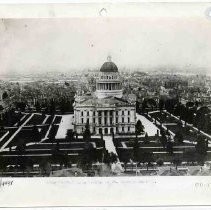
(57,119)
(24,135)
(49,120)
(5,139)
(36,120)
(187,132)
(44,130)
(2,132)
(12,119)
(163,117)
(53,130)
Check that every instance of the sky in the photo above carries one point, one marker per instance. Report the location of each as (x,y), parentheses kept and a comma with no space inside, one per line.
(75,44)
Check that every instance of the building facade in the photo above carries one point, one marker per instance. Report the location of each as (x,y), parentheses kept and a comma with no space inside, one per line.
(107,111)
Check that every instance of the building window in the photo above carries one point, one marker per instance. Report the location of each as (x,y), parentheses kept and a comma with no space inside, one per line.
(99,121)
(128,112)
(123,120)
(82,129)
(94,113)
(128,119)
(111,113)
(117,113)
(128,129)
(93,129)
(87,121)
(117,129)
(82,114)
(105,120)
(82,120)
(123,129)
(87,113)
(116,119)
(93,120)
(100,113)
(122,112)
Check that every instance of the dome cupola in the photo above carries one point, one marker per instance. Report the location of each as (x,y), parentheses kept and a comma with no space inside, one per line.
(109,83)
(109,66)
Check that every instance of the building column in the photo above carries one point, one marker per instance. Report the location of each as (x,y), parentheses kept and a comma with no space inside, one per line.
(96,118)
(102,118)
(91,117)
(108,117)
(109,131)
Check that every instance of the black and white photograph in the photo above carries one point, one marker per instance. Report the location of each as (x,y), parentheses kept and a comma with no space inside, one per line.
(106,96)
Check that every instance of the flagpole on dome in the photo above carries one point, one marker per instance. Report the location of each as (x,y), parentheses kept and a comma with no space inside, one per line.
(109,58)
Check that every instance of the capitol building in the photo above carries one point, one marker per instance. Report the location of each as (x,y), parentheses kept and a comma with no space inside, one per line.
(106,110)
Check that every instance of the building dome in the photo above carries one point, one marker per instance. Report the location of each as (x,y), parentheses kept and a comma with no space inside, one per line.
(109,66)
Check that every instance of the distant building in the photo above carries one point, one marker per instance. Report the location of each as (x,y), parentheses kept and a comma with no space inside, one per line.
(107,111)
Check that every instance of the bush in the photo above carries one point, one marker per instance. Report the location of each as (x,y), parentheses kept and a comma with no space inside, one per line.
(159,162)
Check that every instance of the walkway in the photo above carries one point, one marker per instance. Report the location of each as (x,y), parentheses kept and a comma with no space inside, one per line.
(16,132)
(44,121)
(16,124)
(4,136)
(109,144)
(66,124)
(47,133)
(149,127)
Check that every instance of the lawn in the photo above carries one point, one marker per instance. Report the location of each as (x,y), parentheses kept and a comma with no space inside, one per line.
(36,120)
(5,139)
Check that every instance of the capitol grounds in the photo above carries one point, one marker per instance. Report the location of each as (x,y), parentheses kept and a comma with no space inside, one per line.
(164,145)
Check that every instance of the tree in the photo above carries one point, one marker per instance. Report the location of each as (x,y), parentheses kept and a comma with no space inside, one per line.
(88,155)
(177,161)
(147,157)
(36,134)
(52,106)
(189,155)
(179,137)
(136,150)
(113,157)
(201,148)
(21,147)
(87,133)
(69,135)
(3,163)
(45,167)
(125,157)
(159,162)
(106,157)
(146,138)
(161,104)
(163,140)
(38,107)
(169,147)
(139,128)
